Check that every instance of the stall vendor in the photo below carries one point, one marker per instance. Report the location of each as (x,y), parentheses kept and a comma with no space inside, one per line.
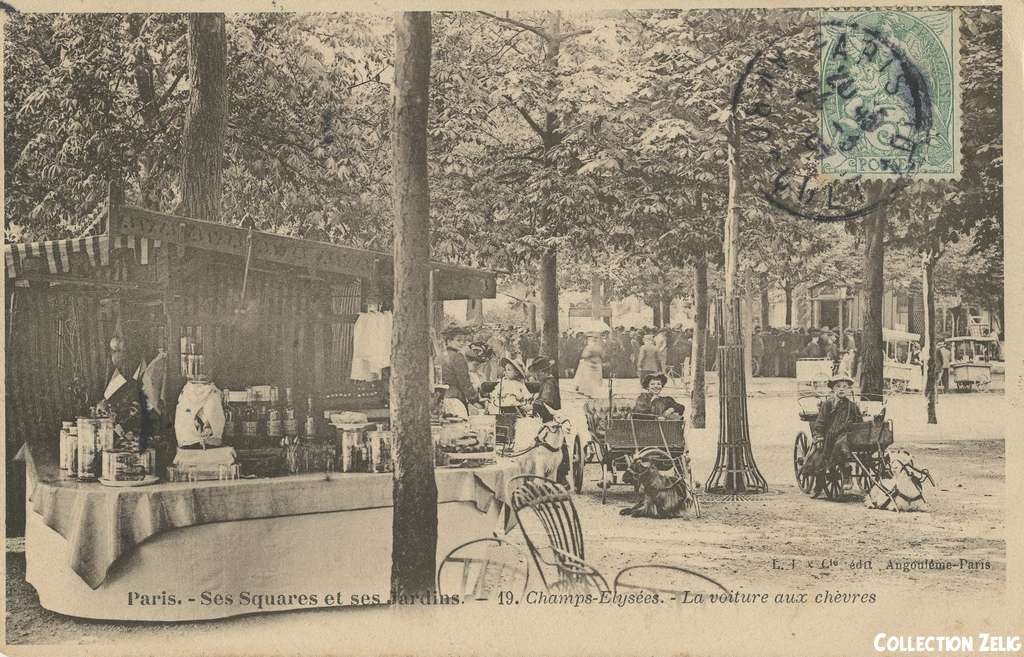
(652,402)
(455,368)
(124,400)
(511,393)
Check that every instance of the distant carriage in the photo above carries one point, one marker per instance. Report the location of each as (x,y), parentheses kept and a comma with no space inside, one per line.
(972,359)
(899,371)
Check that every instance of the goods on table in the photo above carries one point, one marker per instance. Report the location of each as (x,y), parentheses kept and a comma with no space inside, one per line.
(128,466)
(455,441)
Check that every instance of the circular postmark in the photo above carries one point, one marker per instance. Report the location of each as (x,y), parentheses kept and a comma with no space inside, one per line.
(817,123)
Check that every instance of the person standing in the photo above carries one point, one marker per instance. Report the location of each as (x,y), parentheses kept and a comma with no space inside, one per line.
(588,379)
(123,398)
(648,358)
(944,359)
(455,369)
(757,352)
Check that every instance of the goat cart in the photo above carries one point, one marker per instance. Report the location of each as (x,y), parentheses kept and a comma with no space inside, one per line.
(867,463)
(619,438)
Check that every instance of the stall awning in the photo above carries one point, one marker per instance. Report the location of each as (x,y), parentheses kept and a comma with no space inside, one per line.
(143,231)
(57,254)
(450,281)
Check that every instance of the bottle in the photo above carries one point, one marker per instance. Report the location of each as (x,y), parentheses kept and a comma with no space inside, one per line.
(274,426)
(250,421)
(291,425)
(310,431)
(229,419)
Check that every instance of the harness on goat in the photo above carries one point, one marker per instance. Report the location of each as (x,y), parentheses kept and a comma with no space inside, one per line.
(915,474)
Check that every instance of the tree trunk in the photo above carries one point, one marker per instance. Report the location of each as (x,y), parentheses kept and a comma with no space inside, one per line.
(656,307)
(732,229)
(206,118)
(930,344)
(414,528)
(871,372)
(700,331)
(789,304)
(765,314)
(596,296)
(549,310)
(666,312)
(531,316)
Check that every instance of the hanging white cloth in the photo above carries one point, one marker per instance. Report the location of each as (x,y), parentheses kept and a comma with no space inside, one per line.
(371,345)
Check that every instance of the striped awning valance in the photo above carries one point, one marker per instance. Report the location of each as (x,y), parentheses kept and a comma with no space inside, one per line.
(57,253)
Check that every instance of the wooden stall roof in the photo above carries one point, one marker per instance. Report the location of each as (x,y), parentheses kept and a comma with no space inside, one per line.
(450,281)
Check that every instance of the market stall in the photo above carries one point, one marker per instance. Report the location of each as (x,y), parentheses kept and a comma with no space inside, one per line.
(268,415)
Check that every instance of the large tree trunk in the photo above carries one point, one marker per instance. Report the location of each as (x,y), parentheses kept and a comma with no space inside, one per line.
(788,289)
(666,312)
(930,346)
(765,314)
(871,372)
(700,331)
(206,119)
(656,307)
(549,310)
(596,296)
(414,529)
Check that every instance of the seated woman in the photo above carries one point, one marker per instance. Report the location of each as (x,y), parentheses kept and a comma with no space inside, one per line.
(653,403)
(511,393)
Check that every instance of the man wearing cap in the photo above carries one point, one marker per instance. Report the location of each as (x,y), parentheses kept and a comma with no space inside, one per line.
(836,416)
(455,369)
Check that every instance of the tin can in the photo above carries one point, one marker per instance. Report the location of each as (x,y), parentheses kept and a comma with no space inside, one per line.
(64,456)
(72,435)
(105,433)
(349,441)
(88,455)
(376,439)
(274,428)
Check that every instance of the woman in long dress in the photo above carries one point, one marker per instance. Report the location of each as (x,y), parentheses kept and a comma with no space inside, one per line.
(588,372)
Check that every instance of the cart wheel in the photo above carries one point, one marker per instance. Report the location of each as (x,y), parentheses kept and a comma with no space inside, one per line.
(833,482)
(801,447)
(577,465)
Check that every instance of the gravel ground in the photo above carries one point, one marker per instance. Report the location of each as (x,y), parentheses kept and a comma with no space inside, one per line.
(735,541)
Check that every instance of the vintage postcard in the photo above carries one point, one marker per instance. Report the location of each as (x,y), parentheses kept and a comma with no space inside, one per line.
(614,328)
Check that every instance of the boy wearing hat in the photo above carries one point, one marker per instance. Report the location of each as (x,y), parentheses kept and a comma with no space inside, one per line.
(651,402)
(836,416)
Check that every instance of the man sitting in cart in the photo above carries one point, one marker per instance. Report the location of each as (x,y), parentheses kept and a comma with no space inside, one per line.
(652,402)
(836,415)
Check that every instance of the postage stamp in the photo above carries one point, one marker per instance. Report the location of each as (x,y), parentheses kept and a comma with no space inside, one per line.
(891,90)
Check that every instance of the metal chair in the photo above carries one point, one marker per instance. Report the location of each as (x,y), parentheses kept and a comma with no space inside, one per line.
(674,581)
(478,570)
(541,501)
(577,576)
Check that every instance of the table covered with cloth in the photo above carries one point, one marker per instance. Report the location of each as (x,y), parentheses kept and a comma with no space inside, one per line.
(123,553)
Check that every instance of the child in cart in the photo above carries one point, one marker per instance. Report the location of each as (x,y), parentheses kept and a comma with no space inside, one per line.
(836,415)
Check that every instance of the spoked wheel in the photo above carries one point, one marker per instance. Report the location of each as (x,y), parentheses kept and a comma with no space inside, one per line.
(605,482)
(577,465)
(801,448)
(833,482)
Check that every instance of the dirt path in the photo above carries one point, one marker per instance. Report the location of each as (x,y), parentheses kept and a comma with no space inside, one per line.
(734,541)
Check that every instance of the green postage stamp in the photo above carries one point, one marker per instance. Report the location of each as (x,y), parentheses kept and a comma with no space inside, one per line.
(890,87)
